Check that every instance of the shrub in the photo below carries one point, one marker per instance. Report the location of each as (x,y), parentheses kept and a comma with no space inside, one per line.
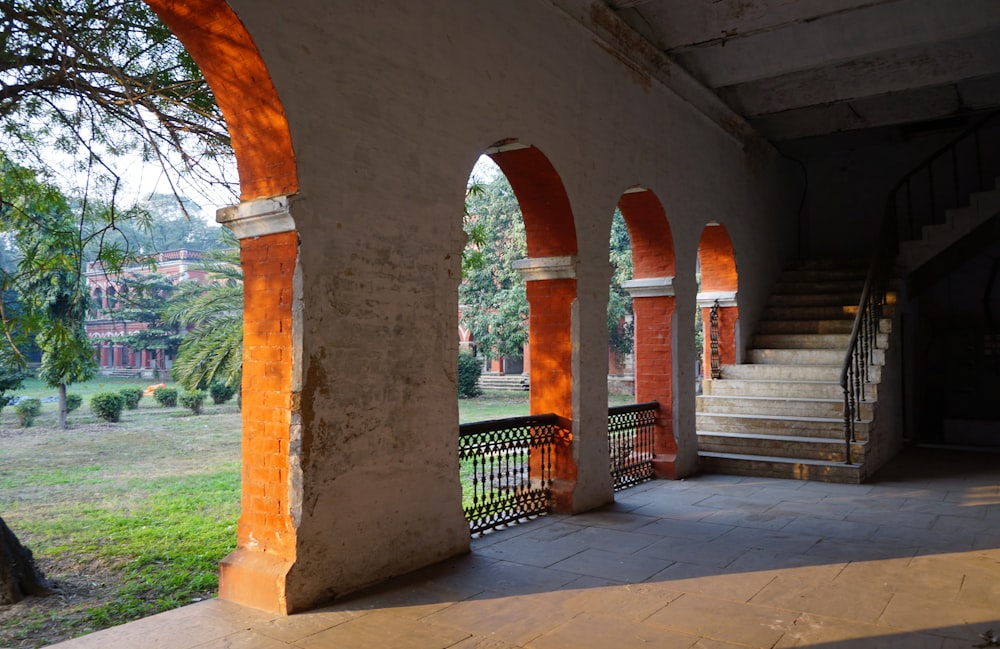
(107,405)
(193,400)
(131,396)
(4,400)
(73,401)
(221,392)
(469,369)
(166,397)
(27,410)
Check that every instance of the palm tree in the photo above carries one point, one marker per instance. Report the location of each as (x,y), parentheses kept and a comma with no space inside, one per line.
(212,352)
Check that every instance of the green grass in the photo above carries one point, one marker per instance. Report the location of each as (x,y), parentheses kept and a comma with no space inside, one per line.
(132,518)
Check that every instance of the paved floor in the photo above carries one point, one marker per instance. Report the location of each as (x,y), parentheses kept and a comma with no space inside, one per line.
(911,560)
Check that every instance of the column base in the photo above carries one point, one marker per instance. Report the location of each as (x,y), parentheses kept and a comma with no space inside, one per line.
(255,579)
(665,466)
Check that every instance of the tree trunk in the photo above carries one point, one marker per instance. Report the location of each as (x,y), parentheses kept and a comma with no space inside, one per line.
(62,406)
(18,575)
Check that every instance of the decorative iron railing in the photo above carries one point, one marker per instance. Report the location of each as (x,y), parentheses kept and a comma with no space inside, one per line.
(920,198)
(506,468)
(713,340)
(630,438)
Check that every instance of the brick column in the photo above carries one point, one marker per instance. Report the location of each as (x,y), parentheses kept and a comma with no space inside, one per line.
(105,355)
(653,306)
(551,293)
(116,355)
(728,318)
(255,573)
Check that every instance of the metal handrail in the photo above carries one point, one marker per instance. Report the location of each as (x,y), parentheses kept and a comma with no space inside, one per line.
(864,332)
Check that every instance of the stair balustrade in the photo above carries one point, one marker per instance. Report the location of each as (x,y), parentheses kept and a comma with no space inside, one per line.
(920,198)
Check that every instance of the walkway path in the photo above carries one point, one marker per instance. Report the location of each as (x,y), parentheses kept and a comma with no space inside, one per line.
(911,560)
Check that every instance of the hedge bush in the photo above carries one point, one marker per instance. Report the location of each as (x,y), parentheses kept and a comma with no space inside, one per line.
(73,401)
(166,397)
(193,400)
(132,397)
(27,410)
(221,392)
(469,369)
(107,405)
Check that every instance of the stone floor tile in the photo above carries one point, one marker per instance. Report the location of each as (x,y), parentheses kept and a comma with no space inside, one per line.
(718,553)
(615,520)
(760,520)
(631,602)
(825,510)
(924,540)
(382,629)
(900,576)
(911,519)
(292,628)
(831,529)
(710,643)
(518,579)
(944,508)
(611,565)
(678,529)
(767,561)
(751,625)
(911,612)
(670,508)
(611,540)
(728,584)
(559,527)
(479,642)
(772,540)
(513,619)
(815,630)
(801,590)
(865,502)
(589,631)
(243,640)
(533,551)
(837,489)
(747,502)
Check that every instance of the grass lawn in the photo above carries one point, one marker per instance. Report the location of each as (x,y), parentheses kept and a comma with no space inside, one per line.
(130,519)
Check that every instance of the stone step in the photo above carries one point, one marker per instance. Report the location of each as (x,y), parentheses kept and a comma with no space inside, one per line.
(780,388)
(776,406)
(802,341)
(809,341)
(794,286)
(806,356)
(843,326)
(810,448)
(751,372)
(840,312)
(827,265)
(777,467)
(828,427)
(778,372)
(815,299)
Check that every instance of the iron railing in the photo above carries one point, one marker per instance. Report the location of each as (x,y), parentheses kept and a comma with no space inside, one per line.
(920,198)
(713,340)
(506,468)
(630,441)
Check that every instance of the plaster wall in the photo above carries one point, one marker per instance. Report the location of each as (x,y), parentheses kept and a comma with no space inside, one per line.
(389,105)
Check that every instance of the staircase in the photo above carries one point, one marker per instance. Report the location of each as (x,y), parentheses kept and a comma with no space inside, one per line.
(780,414)
(958,223)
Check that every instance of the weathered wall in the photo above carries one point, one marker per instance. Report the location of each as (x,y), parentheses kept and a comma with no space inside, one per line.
(389,104)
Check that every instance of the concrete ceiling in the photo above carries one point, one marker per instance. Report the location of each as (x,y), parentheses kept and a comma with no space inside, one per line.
(799,68)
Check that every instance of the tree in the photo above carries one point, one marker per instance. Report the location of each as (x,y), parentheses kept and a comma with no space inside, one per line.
(620,325)
(49,278)
(492,295)
(211,352)
(18,574)
(102,83)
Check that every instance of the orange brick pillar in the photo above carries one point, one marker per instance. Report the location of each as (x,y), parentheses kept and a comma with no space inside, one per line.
(728,319)
(255,573)
(105,355)
(551,293)
(653,305)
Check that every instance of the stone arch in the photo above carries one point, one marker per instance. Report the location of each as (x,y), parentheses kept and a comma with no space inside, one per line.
(719,285)
(653,304)
(255,573)
(550,275)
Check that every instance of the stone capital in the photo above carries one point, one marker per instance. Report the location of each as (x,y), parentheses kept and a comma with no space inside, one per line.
(650,287)
(542,268)
(258,217)
(724,298)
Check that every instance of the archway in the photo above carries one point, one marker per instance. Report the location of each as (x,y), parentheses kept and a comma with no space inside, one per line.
(717,299)
(549,272)
(653,300)
(254,574)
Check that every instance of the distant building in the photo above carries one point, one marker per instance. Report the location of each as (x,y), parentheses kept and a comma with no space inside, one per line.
(110,331)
